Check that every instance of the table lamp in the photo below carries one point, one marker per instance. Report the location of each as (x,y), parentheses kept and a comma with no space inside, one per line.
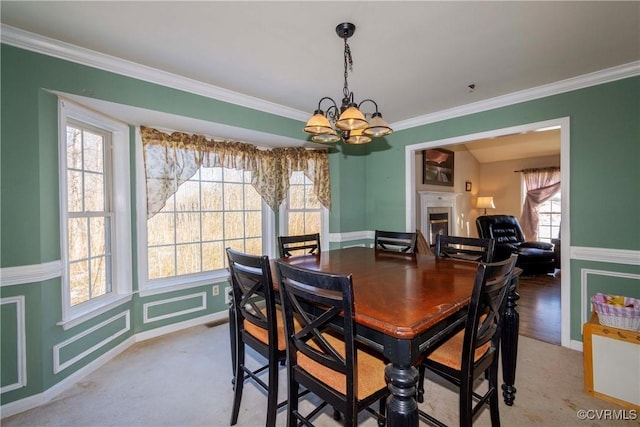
(485,202)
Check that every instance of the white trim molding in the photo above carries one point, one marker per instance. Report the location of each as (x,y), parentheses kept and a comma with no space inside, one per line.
(24,274)
(58,367)
(148,319)
(620,72)
(69,52)
(351,236)
(21,344)
(615,256)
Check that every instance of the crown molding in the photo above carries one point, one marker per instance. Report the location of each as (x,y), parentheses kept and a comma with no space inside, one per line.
(58,49)
(69,52)
(586,80)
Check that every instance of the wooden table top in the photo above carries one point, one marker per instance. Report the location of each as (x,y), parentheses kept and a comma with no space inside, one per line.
(399,295)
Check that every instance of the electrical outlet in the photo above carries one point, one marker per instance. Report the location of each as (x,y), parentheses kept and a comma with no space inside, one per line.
(216,290)
(227,295)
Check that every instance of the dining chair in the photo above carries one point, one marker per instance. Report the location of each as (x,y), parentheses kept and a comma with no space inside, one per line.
(395,241)
(422,247)
(303,244)
(258,324)
(468,248)
(473,352)
(323,355)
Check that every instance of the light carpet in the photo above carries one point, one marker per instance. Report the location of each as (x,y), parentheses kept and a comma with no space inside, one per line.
(184,379)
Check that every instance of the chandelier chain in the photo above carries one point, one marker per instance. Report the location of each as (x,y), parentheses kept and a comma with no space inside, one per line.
(348,62)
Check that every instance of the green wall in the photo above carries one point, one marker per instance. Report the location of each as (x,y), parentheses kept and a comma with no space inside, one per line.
(367,187)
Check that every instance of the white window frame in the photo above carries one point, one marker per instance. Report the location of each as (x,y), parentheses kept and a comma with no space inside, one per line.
(121,273)
(152,287)
(324,222)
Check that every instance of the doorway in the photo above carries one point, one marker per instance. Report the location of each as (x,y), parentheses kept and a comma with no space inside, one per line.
(563,124)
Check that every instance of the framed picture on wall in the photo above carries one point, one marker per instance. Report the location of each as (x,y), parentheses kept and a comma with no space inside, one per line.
(437,167)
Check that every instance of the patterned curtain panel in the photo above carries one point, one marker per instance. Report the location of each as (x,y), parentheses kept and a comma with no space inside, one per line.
(171,159)
(541,185)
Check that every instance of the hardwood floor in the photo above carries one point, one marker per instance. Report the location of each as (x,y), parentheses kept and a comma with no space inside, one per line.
(539,308)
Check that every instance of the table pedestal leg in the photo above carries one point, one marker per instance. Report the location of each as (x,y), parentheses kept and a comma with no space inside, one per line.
(402,408)
(510,329)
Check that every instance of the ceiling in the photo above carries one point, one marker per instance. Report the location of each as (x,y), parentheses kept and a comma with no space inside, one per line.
(414,58)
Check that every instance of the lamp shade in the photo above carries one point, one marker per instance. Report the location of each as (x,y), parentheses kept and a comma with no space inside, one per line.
(356,137)
(326,138)
(318,124)
(377,127)
(485,203)
(351,118)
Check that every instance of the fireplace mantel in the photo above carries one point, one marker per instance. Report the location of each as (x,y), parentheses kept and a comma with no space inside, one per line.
(437,199)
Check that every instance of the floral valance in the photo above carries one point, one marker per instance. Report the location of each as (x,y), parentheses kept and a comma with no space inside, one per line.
(171,159)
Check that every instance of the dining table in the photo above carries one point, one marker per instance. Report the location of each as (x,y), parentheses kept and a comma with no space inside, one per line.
(406,304)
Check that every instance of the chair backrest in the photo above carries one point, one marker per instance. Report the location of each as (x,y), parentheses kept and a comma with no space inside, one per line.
(252,287)
(501,228)
(323,305)
(395,241)
(303,244)
(469,248)
(482,328)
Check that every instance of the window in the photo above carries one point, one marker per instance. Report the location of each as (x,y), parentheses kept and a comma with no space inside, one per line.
(549,214)
(89,213)
(215,209)
(91,219)
(302,213)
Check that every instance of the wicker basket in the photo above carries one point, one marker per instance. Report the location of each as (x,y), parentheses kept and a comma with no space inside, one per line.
(617,316)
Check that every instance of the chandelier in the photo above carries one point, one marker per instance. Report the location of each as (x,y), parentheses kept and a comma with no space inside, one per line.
(348,122)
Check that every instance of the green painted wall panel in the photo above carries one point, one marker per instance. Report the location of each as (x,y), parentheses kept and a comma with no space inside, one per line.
(9,343)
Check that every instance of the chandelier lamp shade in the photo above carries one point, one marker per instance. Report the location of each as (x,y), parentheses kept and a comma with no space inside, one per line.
(347,122)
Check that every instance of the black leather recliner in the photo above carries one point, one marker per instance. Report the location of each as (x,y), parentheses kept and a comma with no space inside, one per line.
(533,257)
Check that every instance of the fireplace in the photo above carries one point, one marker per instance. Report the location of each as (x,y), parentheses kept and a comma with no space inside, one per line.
(438,224)
(437,214)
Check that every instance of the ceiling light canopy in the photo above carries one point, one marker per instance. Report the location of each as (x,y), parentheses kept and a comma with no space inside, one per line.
(348,122)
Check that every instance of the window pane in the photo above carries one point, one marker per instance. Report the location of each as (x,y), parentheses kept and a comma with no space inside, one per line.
(213,256)
(161,262)
(253,201)
(188,259)
(234,225)
(296,197)
(79,282)
(233,197)
(188,198)
(74,148)
(160,229)
(93,192)
(78,235)
(296,223)
(211,196)
(98,277)
(254,246)
(296,178)
(253,221)
(98,232)
(93,152)
(212,226)
(312,222)
(187,228)
(74,191)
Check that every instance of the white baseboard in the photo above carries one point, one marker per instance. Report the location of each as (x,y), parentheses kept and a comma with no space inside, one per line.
(39,399)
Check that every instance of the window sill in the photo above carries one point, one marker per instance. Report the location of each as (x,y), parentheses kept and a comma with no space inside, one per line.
(92,309)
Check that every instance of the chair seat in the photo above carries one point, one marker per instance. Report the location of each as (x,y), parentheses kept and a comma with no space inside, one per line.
(263,335)
(450,352)
(370,371)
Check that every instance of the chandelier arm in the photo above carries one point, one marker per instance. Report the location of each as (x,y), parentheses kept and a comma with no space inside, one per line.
(370,100)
